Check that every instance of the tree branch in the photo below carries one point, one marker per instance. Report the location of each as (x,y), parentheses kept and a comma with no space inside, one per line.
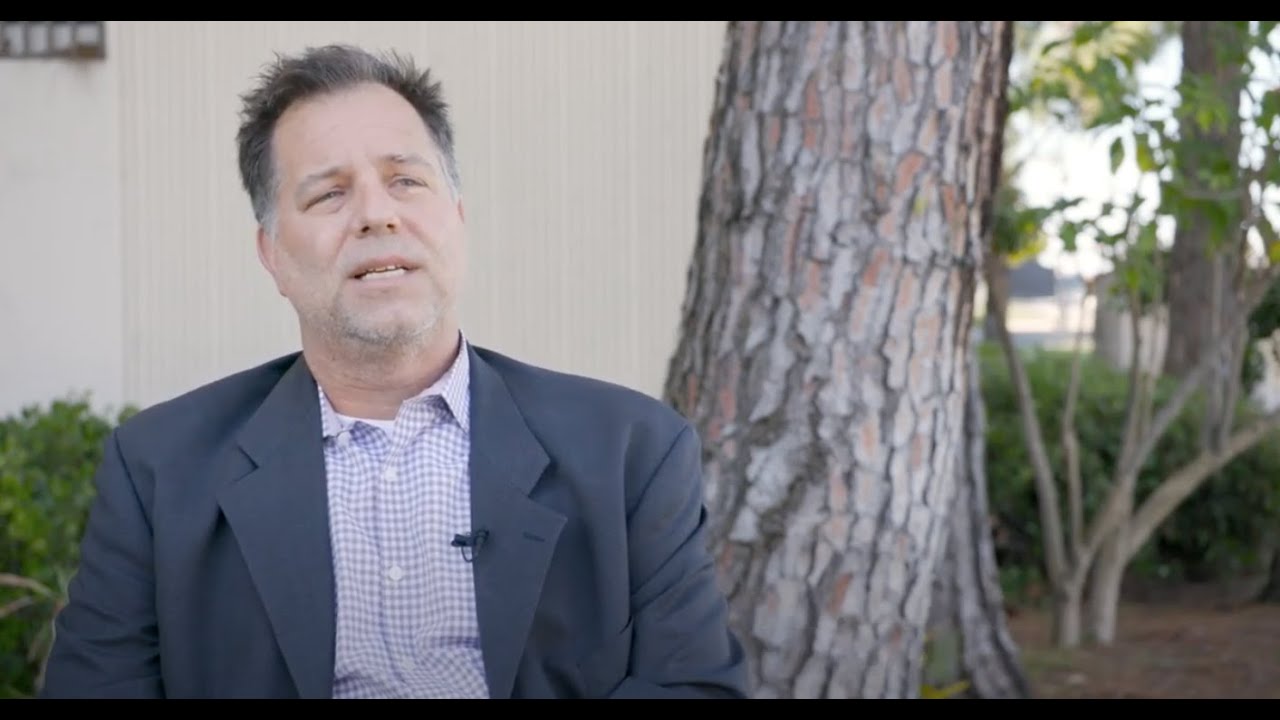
(1135,406)
(22,583)
(1156,508)
(1134,400)
(1187,479)
(10,608)
(1120,495)
(1071,444)
(1046,488)
(1194,379)
(1170,411)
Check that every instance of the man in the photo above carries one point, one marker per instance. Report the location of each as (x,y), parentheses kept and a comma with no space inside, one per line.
(391,512)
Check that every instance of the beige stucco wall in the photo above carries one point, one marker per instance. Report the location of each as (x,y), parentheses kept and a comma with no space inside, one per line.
(580,146)
(61,297)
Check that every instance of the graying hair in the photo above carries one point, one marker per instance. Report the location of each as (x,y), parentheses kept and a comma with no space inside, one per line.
(319,71)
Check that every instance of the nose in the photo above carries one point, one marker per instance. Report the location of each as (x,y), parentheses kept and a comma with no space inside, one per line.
(377,213)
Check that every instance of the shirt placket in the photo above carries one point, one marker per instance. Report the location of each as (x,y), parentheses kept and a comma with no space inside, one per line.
(402,566)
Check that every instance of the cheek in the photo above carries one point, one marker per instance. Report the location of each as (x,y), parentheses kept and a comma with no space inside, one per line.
(444,229)
(306,250)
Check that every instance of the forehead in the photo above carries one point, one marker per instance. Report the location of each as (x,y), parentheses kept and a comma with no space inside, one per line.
(356,124)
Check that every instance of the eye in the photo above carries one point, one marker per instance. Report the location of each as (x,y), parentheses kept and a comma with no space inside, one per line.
(321,198)
(412,182)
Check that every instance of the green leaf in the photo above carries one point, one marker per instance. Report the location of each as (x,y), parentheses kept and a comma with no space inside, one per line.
(1273,253)
(1117,154)
(1146,159)
(1068,234)
(1148,243)
(1270,109)
(1204,118)
(1089,32)
(1052,45)
(1132,277)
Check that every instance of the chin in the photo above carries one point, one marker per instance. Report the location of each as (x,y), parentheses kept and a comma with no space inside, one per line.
(393,330)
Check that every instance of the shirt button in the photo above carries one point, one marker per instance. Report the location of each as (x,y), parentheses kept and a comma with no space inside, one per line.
(407,665)
(389,474)
(344,438)
(395,573)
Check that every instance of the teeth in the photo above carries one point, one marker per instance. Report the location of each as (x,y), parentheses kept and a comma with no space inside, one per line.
(389,271)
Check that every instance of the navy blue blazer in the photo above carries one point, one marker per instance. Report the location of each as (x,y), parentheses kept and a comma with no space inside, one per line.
(206,572)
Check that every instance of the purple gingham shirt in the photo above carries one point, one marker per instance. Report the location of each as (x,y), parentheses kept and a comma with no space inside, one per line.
(398,493)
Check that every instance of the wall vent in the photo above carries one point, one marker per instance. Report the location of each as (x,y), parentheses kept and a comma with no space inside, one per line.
(72,39)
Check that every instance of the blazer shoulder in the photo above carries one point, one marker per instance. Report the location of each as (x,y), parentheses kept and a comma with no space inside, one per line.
(594,404)
(208,409)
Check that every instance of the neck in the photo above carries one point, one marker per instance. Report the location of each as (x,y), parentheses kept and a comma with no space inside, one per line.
(373,382)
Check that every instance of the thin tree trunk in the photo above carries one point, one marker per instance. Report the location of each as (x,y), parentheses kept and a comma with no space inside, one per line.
(1067,629)
(1271,591)
(1209,49)
(1105,586)
(998,287)
(823,356)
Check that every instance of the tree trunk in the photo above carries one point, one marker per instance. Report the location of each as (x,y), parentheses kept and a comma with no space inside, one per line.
(998,289)
(1068,616)
(825,327)
(971,644)
(1271,591)
(1105,586)
(1208,50)
(968,629)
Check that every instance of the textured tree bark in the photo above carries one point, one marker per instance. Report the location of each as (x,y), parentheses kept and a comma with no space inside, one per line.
(968,615)
(968,604)
(823,354)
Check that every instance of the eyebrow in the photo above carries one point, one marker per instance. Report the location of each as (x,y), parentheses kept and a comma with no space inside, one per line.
(394,158)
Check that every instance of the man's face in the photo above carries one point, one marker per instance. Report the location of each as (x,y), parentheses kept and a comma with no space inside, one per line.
(362,188)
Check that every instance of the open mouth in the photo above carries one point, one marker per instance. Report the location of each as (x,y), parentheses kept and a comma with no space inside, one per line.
(383,268)
(385,271)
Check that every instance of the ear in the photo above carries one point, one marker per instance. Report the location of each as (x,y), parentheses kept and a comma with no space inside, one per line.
(267,256)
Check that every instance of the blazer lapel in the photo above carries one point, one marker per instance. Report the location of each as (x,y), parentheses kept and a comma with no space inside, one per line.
(279,514)
(509,568)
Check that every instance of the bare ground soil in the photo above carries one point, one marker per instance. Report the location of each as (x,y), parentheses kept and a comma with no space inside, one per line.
(1163,651)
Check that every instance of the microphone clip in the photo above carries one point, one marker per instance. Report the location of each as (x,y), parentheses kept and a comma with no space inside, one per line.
(470,543)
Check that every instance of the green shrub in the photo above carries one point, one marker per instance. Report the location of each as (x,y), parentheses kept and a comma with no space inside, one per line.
(48,456)
(1214,534)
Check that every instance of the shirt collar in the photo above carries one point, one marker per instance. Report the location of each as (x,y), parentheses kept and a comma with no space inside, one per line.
(454,387)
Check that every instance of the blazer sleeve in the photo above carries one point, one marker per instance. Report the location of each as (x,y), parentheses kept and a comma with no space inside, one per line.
(105,637)
(682,643)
